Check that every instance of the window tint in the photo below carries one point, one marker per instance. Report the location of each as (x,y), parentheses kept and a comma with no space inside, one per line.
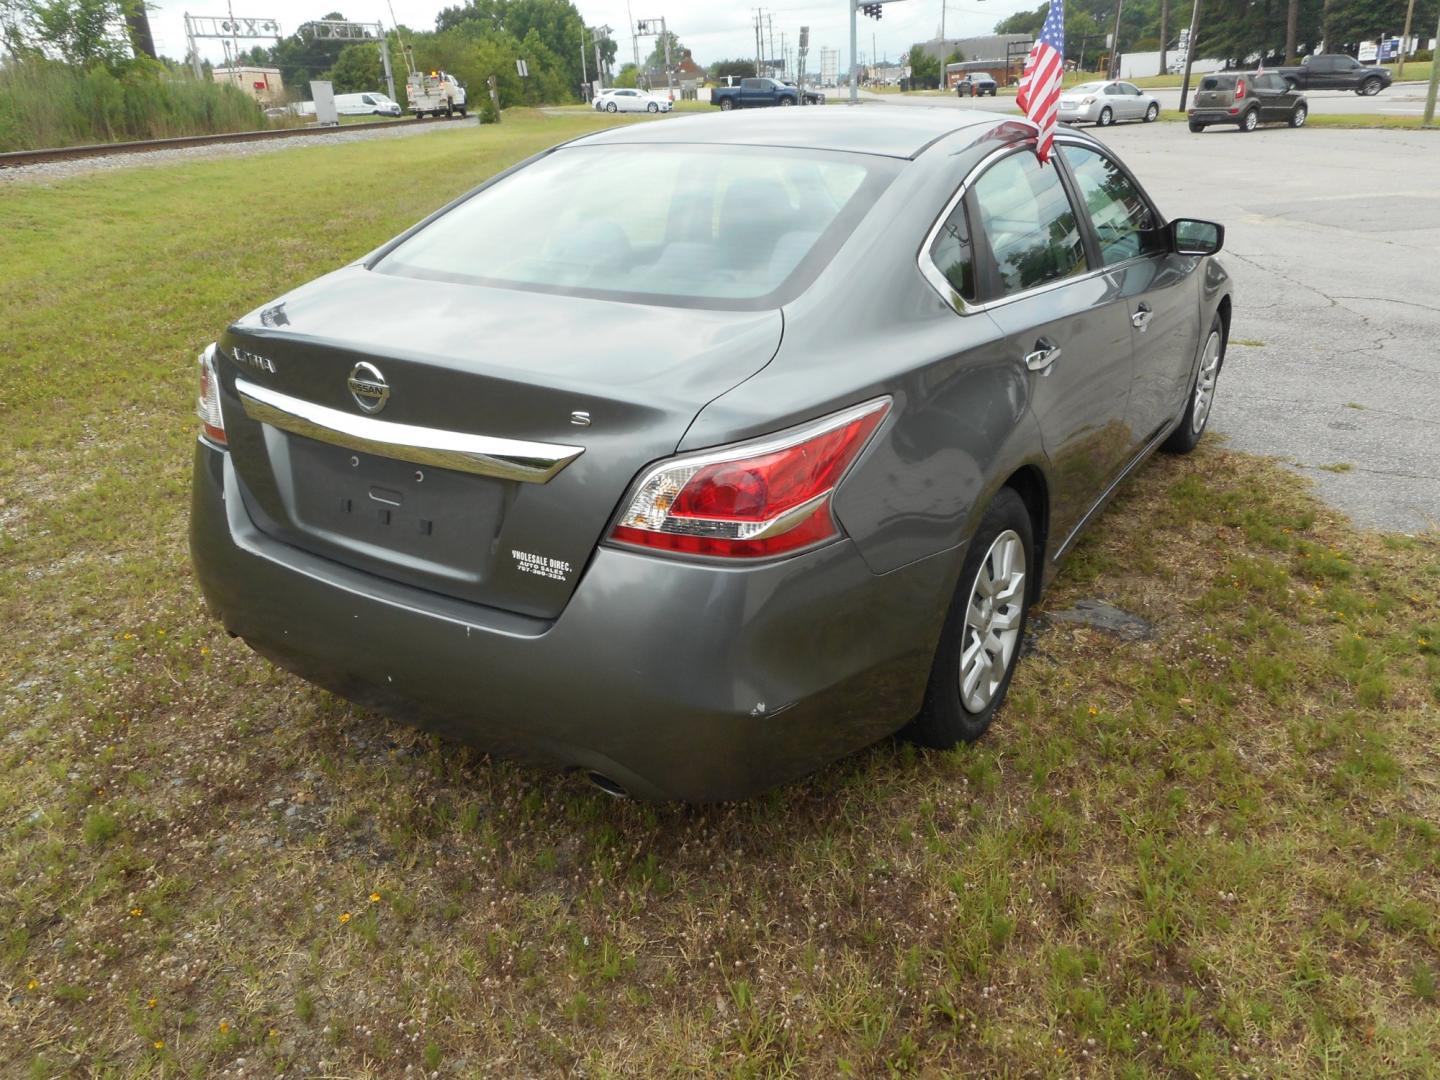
(1133,91)
(719,226)
(1029,224)
(952,254)
(750,84)
(1122,219)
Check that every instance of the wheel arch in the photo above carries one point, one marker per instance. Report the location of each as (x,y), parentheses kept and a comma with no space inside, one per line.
(1030,484)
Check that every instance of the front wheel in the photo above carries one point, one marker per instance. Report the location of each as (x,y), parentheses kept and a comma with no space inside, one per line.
(1370,87)
(1106,117)
(652,107)
(1250,121)
(1297,118)
(981,639)
(1202,393)
(787,101)
(1152,113)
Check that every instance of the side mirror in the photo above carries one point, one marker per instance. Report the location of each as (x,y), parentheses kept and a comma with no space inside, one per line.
(1189,236)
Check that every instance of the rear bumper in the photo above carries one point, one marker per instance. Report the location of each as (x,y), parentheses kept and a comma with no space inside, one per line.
(1213,116)
(675,680)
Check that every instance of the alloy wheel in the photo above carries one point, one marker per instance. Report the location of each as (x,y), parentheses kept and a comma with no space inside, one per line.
(992,621)
(1205,383)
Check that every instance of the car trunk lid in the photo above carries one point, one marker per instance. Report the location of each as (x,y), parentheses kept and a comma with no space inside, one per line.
(511,424)
(1216,91)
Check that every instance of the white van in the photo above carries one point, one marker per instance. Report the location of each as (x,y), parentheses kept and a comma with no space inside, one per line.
(368,104)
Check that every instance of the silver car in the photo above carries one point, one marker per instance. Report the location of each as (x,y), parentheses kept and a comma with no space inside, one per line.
(696,492)
(1106,103)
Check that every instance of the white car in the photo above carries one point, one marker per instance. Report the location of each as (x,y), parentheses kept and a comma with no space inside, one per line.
(631,101)
(1105,103)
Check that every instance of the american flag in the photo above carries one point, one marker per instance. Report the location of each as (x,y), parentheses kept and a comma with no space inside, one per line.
(1039,91)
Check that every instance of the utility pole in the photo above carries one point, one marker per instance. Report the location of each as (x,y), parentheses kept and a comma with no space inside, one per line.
(854,67)
(1429,120)
(1190,52)
(584,75)
(1115,42)
(669,70)
(1404,38)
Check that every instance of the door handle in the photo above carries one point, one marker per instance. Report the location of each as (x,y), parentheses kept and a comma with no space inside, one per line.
(1141,318)
(1045,354)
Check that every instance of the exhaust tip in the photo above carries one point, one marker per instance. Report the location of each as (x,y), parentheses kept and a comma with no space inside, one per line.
(605,784)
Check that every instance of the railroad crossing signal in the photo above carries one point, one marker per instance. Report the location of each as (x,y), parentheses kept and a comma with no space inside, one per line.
(873,10)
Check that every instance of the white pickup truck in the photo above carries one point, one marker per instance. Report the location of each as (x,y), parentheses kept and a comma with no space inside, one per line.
(435,93)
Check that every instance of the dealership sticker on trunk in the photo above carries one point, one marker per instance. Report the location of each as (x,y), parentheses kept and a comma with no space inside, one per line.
(554,569)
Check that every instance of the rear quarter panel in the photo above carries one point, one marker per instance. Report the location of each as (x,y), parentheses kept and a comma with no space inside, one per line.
(871,325)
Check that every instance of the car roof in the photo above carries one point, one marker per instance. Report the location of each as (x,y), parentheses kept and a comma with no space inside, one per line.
(885,130)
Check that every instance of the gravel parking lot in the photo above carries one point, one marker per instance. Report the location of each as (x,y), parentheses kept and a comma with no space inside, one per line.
(1333,238)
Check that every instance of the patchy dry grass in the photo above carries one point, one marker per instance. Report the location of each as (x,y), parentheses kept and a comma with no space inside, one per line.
(1212,853)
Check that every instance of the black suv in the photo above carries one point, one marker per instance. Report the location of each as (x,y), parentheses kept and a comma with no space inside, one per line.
(1247,99)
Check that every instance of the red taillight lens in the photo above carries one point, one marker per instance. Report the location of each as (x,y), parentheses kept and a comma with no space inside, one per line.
(207,405)
(1239,89)
(762,498)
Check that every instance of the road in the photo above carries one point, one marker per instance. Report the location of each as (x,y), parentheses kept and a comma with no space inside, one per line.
(1402,99)
(1333,239)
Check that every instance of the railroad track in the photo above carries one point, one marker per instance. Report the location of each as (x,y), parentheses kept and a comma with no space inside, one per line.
(74,153)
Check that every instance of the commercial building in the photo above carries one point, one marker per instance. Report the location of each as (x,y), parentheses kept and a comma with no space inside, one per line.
(262,83)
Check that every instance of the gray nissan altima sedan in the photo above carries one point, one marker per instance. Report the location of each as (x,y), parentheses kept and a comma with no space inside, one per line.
(696,491)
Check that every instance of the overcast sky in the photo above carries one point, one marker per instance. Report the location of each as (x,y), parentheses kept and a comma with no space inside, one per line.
(706,28)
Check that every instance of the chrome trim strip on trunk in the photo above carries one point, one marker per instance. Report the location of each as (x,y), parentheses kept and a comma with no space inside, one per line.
(483,455)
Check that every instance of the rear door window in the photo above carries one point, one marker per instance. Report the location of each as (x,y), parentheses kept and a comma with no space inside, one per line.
(1029,225)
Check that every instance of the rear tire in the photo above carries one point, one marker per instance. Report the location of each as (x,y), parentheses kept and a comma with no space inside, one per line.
(1107,117)
(1196,127)
(1250,121)
(1201,397)
(610,106)
(1297,118)
(1003,547)
(726,104)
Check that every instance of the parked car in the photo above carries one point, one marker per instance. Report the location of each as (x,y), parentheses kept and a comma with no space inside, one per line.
(543,472)
(626,100)
(812,97)
(977,84)
(368,104)
(1106,102)
(1247,99)
(1336,71)
(754,94)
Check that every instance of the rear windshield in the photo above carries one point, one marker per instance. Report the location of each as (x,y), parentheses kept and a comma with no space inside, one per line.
(1218,82)
(729,227)
(1089,88)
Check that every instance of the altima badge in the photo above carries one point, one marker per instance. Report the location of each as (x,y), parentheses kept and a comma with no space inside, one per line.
(368,387)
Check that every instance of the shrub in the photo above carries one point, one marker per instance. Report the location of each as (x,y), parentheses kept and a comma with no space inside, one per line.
(45,103)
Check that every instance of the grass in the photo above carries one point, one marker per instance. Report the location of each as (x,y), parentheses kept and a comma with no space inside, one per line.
(1215,853)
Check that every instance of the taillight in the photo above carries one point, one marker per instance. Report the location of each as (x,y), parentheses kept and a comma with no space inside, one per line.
(207,406)
(752,500)
(1239,89)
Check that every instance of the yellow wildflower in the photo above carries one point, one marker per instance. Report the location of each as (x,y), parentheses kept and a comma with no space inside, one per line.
(159,1044)
(345,917)
(375,896)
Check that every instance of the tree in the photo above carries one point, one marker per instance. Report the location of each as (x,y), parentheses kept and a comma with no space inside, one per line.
(656,60)
(955,57)
(924,68)
(626,79)
(738,69)
(357,69)
(81,32)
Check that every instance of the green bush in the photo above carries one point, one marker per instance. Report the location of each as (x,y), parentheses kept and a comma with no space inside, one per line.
(488,113)
(45,103)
